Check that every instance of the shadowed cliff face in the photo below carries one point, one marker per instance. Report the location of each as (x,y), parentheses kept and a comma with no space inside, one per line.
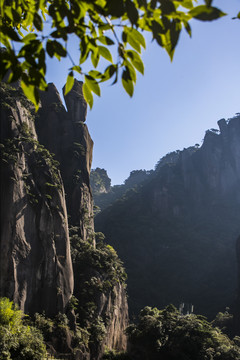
(35,267)
(64,134)
(176,234)
(206,176)
(39,197)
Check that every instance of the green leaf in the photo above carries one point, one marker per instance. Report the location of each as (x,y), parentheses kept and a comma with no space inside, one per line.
(127,82)
(132,12)
(188,4)
(84,48)
(92,85)
(87,95)
(95,57)
(116,76)
(136,60)
(167,7)
(59,49)
(31,93)
(15,74)
(131,70)
(29,37)
(109,72)
(77,68)
(115,8)
(16,15)
(60,33)
(138,37)
(50,48)
(7,11)
(105,40)
(95,74)
(132,40)
(104,52)
(188,28)
(37,21)
(205,13)
(7,30)
(69,83)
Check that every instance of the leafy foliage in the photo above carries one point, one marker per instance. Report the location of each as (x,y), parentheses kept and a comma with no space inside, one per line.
(17,340)
(165,334)
(103,259)
(99,26)
(97,270)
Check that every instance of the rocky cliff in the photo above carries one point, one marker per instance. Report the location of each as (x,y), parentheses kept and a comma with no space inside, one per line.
(36,267)
(207,175)
(177,233)
(65,134)
(104,194)
(45,168)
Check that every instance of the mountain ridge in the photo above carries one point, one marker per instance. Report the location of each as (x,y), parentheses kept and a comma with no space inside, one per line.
(185,220)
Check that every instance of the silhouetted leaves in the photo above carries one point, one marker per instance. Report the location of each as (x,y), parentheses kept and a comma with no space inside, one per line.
(104,22)
(206,13)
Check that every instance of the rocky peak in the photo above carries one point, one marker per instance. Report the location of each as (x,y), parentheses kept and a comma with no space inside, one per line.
(75,102)
(64,134)
(222,125)
(100,181)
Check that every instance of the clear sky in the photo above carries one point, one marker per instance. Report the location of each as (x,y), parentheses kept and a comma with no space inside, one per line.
(173,103)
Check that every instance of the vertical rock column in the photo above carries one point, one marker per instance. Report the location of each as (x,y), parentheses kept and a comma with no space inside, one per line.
(65,134)
(35,265)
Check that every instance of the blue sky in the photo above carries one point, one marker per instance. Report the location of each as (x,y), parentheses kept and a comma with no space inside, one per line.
(173,103)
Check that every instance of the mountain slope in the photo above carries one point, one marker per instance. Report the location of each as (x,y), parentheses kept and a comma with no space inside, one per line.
(176,234)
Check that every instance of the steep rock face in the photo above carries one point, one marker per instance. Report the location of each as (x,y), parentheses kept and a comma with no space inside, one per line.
(182,226)
(100,288)
(65,135)
(104,194)
(35,266)
(115,308)
(210,174)
(34,218)
(100,182)
(236,309)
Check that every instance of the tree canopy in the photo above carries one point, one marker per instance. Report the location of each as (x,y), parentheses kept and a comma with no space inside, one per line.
(112,30)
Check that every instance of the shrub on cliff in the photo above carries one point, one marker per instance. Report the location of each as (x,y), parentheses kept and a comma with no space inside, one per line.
(17,340)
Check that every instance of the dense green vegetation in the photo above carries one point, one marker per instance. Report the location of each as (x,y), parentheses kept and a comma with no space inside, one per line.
(168,335)
(18,340)
(97,269)
(158,334)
